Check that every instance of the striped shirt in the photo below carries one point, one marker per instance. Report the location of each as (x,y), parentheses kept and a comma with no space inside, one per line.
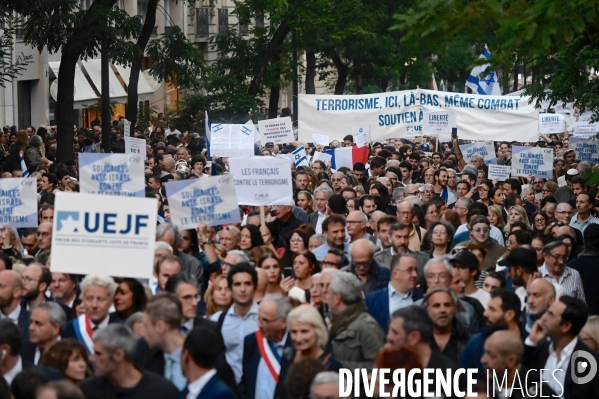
(570,281)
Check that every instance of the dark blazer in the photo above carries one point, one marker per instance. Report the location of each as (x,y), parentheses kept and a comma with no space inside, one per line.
(67,310)
(378,306)
(313,218)
(69,331)
(23,323)
(52,374)
(214,389)
(536,357)
(28,351)
(251,360)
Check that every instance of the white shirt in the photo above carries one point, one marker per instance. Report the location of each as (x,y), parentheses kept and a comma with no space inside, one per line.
(15,370)
(553,364)
(521,292)
(153,284)
(482,296)
(321,218)
(102,324)
(196,387)
(13,316)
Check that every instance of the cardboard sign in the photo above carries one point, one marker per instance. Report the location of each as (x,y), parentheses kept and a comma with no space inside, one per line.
(93,235)
(18,202)
(211,200)
(439,122)
(278,130)
(126,128)
(232,140)
(362,135)
(135,146)
(551,123)
(322,156)
(485,149)
(586,149)
(112,174)
(499,172)
(534,161)
(262,181)
(320,139)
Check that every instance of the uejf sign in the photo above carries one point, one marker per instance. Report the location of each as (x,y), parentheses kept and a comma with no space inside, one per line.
(114,237)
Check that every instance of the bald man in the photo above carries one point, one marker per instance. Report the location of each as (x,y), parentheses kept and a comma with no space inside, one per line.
(44,236)
(406,215)
(373,276)
(540,295)
(11,290)
(356,223)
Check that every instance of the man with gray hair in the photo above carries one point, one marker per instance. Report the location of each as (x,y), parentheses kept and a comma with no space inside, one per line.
(355,335)
(113,358)
(168,233)
(316,240)
(47,321)
(272,335)
(325,385)
(356,223)
(406,215)
(97,292)
(321,198)
(363,266)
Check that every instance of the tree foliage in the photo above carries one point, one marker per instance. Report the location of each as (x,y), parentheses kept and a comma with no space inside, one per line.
(10,68)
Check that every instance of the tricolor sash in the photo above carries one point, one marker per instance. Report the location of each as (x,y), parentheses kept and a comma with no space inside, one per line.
(269,354)
(84,332)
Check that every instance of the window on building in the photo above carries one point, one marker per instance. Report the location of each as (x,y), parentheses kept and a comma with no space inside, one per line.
(260,21)
(244,29)
(223,20)
(202,22)
(142,9)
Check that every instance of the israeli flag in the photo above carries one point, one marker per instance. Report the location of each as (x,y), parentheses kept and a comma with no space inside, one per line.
(23,166)
(489,85)
(299,157)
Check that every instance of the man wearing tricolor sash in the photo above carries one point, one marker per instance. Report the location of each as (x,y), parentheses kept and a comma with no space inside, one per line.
(97,292)
(264,364)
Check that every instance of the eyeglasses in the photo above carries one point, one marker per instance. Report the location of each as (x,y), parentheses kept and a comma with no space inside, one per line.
(28,279)
(557,257)
(226,264)
(404,213)
(539,220)
(296,240)
(428,192)
(362,264)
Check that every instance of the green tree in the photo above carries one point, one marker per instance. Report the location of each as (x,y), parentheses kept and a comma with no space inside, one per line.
(10,68)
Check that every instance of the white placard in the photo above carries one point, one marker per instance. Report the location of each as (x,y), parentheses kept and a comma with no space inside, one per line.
(585,130)
(586,149)
(18,202)
(361,135)
(322,156)
(232,140)
(289,157)
(536,161)
(93,235)
(262,181)
(499,172)
(551,123)
(486,149)
(211,200)
(126,128)
(277,131)
(112,174)
(320,139)
(439,122)
(135,146)
(401,114)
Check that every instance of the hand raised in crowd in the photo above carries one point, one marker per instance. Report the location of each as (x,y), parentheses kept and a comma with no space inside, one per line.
(537,333)
(287,284)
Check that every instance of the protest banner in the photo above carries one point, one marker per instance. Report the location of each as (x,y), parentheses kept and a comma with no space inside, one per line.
(320,139)
(551,123)
(289,157)
(211,200)
(401,114)
(232,140)
(361,135)
(439,122)
(585,149)
(585,129)
(93,235)
(536,161)
(18,202)
(112,174)
(126,128)
(135,146)
(262,181)
(499,172)
(278,131)
(485,149)
(322,156)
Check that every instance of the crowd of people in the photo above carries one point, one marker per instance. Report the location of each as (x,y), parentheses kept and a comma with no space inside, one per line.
(413,260)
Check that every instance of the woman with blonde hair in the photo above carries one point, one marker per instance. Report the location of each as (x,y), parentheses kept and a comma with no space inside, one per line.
(305,200)
(516,214)
(495,216)
(217,296)
(309,336)
(589,334)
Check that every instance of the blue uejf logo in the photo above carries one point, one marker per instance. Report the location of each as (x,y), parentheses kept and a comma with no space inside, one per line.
(103,223)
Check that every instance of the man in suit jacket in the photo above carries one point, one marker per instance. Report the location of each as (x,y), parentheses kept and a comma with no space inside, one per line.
(11,290)
(97,292)
(201,350)
(47,321)
(258,381)
(36,281)
(321,197)
(399,293)
(561,324)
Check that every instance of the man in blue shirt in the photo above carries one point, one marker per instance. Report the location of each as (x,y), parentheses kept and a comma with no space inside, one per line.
(333,229)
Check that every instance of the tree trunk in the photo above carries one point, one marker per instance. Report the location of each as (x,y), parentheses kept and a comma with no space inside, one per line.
(341,75)
(64,104)
(142,42)
(273,101)
(261,66)
(310,71)
(106,119)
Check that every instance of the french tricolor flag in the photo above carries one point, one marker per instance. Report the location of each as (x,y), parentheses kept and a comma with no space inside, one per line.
(348,156)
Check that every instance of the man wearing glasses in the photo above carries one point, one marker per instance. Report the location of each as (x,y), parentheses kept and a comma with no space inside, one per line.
(555,270)
(44,236)
(538,183)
